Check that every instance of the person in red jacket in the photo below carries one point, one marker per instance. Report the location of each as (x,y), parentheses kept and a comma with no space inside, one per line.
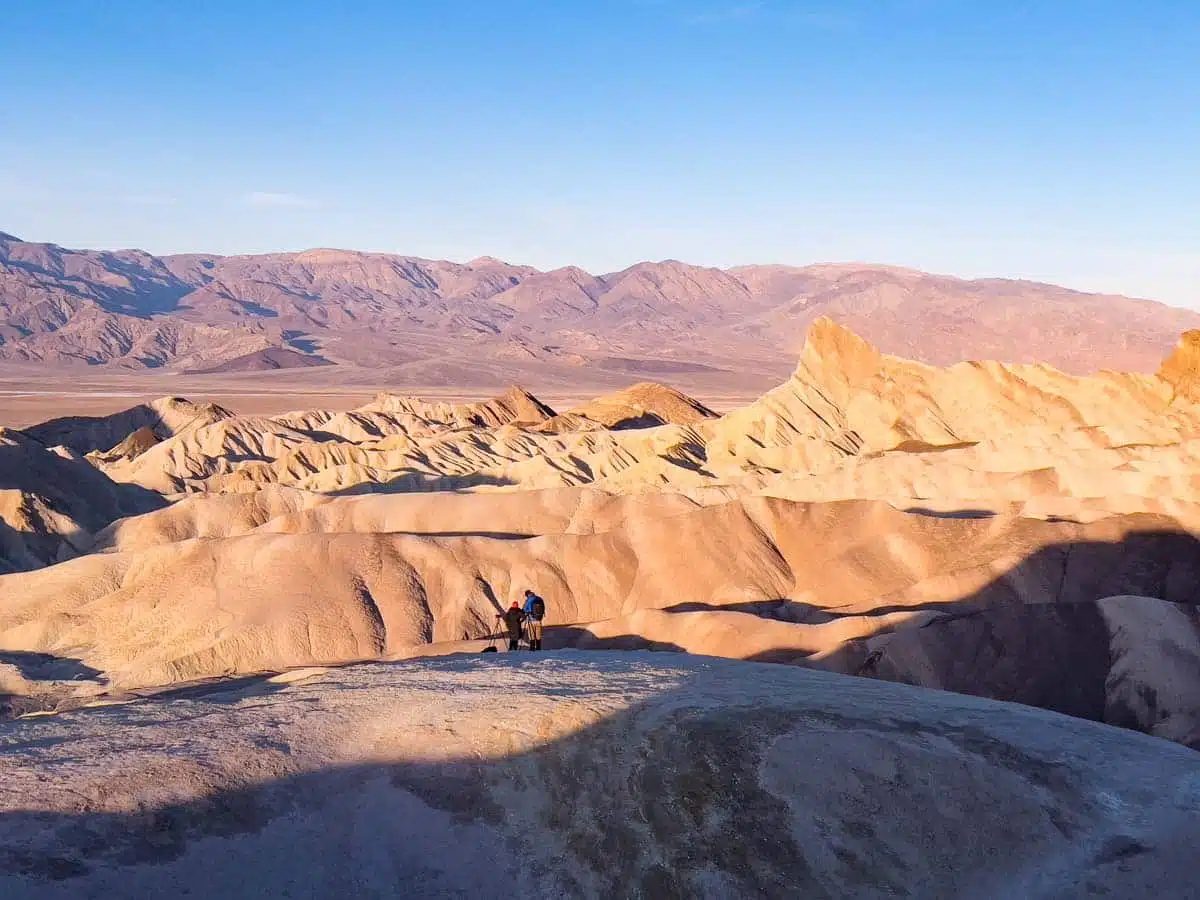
(513,617)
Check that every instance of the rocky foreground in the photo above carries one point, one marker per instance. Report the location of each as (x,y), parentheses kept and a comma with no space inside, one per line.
(587,775)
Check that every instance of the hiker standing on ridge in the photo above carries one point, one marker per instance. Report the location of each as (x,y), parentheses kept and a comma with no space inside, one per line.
(513,617)
(535,611)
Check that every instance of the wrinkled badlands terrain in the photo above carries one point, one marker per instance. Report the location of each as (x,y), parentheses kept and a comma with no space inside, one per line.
(1004,531)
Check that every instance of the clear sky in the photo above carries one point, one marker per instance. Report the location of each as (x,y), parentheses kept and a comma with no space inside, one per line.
(1057,139)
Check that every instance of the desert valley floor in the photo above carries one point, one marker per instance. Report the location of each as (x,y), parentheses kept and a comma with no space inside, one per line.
(240,637)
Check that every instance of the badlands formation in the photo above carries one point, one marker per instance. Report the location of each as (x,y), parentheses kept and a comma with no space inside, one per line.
(1004,531)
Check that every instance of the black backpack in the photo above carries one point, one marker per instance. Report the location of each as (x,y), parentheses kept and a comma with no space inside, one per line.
(538,608)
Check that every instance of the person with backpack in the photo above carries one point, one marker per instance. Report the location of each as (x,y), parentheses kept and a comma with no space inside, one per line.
(535,611)
(513,618)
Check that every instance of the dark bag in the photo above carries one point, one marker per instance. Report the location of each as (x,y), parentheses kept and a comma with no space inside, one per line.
(491,647)
(538,608)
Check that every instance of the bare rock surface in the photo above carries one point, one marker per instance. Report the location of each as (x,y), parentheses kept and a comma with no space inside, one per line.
(589,775)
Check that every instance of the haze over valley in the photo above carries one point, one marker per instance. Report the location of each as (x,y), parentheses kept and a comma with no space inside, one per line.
(341,318)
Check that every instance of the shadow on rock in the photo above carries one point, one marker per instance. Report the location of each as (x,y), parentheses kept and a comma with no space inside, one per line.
(743,781)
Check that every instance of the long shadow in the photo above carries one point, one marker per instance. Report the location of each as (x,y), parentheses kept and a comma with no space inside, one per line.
(224,691)
(494,535)
(800,787)
(951,514)
(155,297)
(38,471)
(67,487)
(633,423)
(87,434)
(297,339)
(151,291)
(782,610)
(1036,634)
(16,554)
(46,672)
(48,667)
(577,638)
(420,482)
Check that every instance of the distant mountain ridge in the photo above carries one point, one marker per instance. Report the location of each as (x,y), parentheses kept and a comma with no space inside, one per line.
(131,310)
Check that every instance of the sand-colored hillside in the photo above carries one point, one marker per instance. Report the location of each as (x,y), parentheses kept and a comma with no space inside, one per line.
(759,578)
(848,399)
(850,416)
(281,510)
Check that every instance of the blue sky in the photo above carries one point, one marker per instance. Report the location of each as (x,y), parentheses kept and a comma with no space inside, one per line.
(1052,140)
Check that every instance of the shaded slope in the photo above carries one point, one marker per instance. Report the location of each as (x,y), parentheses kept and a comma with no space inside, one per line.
(49,502)
(165,418)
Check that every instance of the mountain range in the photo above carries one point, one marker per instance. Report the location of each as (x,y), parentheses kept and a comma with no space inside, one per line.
(431,321)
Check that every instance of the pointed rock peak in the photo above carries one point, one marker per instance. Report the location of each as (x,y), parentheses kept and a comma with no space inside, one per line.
(131,447)
(642,405)
(653,395)
(524,407)
(1182,368)
(830,346)
(181,406)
